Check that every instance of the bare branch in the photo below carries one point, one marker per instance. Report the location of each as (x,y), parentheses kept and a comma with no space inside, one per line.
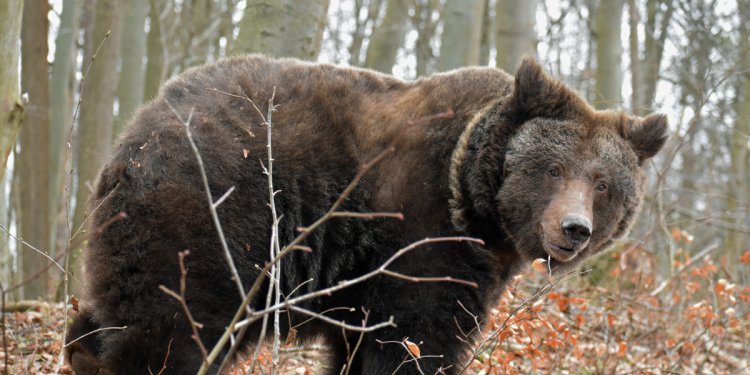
(342,324)
(211,204)
(30,246)
(380,270)
(95,331)
(223,197)
(181,299)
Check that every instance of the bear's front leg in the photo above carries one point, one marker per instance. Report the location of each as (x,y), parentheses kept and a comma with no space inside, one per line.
(433,328)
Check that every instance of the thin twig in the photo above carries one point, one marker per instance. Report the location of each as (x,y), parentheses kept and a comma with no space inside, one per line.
(367,216)
(275,247)
(211,204)
(223,197)
(684,267)
(2,322)
(378,271)
(166,356)
(95,331)
(490,341)
(415,279)
(30,246)
(350,357)
(61,357)
(343,324)
(194,325)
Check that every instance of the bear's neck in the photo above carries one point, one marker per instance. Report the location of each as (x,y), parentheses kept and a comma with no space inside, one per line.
(476,177)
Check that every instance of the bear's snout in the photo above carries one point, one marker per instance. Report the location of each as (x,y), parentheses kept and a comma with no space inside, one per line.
(577,229)
(566,222)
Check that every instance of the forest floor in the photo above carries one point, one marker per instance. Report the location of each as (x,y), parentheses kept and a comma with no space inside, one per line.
(614,319)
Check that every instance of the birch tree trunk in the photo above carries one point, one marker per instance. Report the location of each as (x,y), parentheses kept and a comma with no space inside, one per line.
(282,28)
(34,140)
(388,37)
(95,124)
(11,109)
(462,34)
(514,32)
(608,74)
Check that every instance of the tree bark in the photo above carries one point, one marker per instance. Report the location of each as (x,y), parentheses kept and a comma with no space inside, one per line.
(425,25)
(485,43)
(738,197)
(462,34)
(34,140)
(131,83)
(61,94)
(11,109)
(282,28)
(608,74)
(646,58)
(156,54)
(95,124)
(388,37)
(372,7)
(514,32)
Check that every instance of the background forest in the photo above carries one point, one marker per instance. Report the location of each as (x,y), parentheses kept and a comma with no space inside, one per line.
(673,297)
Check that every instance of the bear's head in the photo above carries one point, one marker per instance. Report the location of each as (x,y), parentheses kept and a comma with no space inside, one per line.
(551,176)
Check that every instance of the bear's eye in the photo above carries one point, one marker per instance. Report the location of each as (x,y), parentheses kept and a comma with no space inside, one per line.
(554,172)
(602,187)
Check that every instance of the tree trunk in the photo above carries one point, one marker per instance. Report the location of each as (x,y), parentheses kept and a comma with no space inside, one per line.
(34,140)
(372,7)
(95,124)
(200,28)
(11,109)
(131,86)
(635,60)
(156,51)
(425,25)
(737,195)
(61,97)
(485,43)
(282,28)
(514,32)
(608,74)
(388,37)
(462,34)
(656,36)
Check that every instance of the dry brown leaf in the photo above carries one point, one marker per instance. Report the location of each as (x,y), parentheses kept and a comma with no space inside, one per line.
(413,348)
(539,265)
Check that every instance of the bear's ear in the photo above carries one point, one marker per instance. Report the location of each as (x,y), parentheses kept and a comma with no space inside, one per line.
(535,94)
(647,135)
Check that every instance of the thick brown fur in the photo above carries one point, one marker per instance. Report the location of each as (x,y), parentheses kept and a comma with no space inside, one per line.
(492,184)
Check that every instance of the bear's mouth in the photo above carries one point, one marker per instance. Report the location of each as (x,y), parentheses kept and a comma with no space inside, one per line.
(560,253)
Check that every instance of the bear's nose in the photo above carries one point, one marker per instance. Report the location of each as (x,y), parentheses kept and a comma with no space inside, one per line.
(576,228)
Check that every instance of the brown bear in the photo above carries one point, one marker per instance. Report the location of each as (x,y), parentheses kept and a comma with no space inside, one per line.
(522,163)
